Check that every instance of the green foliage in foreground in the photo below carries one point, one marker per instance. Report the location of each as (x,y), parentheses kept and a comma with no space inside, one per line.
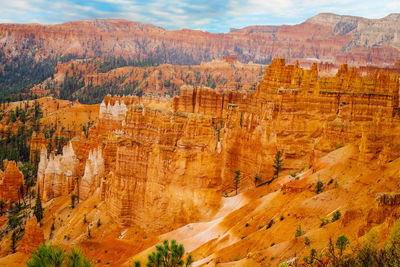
(167,255)
(50,256)
(369,254)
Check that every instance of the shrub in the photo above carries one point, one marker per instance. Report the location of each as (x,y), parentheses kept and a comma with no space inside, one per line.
(47,256)
(307,241)
(299,232)
(320,187)
(336,215)
(312,258)
(168,255)
(324,221)
(271,222)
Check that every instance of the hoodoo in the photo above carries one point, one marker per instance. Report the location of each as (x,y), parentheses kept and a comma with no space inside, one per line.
(127,144)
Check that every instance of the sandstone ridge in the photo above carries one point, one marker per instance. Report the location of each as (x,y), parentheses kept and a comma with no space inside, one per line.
(164,167)
(328,37)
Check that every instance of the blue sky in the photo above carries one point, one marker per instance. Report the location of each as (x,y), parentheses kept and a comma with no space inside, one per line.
(212,16)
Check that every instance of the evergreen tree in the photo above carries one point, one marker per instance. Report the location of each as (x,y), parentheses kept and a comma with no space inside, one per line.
(168,255)
(38,211)
(47,256)
(2,205)
(277,163)
(75,258)
(14,241)
(73,197)
(341,243)
(236,179)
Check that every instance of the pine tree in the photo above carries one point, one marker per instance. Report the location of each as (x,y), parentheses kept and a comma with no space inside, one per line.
(14,241)
(73,197)
(168,255)
(38,211)
(2,205)
(277,163)
(237,179)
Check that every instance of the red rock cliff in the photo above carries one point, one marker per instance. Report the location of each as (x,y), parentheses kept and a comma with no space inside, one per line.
(325,37)
(164,167)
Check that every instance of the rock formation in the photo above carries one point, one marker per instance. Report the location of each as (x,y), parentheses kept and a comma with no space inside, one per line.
(168,162)
(32,238)
(57,175)
(94,173)
(159,81)
(115,111)
(329,37)
(10,182)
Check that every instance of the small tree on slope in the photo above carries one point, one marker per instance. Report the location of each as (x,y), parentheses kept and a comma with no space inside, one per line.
(38,211)
(277,164)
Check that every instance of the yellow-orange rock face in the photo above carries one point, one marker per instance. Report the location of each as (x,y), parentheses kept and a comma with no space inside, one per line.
(165,166)
(57,175)
(167,163)
(11,181)
(32,238)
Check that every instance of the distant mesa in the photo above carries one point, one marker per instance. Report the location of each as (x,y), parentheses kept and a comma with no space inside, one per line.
(329,38)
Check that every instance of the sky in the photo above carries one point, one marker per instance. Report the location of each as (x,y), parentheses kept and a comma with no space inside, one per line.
(213,16)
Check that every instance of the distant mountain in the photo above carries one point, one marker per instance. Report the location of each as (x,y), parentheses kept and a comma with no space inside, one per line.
(325,37)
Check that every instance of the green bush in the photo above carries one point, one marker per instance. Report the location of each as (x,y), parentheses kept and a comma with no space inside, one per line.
(50,256)
(336,215)
(299,232)
(319,187)
(167,255)
(324,221)
(271,222)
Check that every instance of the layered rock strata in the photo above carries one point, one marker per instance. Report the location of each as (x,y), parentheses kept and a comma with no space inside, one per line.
(10,182)
(164,167)
(57,174)
(33,236)
(325,37)
(93,175)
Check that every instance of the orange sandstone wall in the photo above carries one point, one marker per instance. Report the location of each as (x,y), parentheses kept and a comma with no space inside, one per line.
(10,181)
(167,162)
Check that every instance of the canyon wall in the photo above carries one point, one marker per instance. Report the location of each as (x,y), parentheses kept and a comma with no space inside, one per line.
(10,182)
(325,37)
(33,236)
(170,162)
(57,173)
